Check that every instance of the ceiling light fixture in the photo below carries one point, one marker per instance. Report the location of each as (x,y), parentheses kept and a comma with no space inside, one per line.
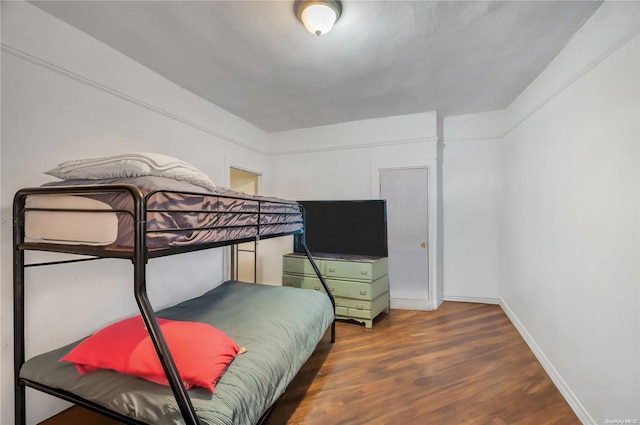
(318,16)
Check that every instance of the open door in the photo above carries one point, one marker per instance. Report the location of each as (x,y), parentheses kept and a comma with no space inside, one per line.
(244,256)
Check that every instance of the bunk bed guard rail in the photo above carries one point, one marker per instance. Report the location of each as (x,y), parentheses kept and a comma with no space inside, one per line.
(139,254)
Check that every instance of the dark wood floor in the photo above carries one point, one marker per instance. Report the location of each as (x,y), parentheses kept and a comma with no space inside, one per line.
(462,364)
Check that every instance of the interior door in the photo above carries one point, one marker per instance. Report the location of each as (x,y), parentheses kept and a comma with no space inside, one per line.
(406,193)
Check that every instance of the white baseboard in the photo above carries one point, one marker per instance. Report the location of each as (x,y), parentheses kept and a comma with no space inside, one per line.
(411,304)
(480,300)
(555,376)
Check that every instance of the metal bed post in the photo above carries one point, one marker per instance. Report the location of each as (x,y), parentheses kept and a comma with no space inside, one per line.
(255,261)
(326,288)
(303,241)
(18,310)
(140,263)
(233,268)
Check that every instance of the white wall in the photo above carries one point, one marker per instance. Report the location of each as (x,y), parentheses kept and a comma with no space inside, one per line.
(567,256)
(570,232)
(472,188)
(66,95)
(323,159)
(342,161)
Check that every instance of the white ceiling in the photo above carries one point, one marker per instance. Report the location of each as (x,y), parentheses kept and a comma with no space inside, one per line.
(383,58)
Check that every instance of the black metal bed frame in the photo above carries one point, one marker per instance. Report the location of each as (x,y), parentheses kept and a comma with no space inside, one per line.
(139,255)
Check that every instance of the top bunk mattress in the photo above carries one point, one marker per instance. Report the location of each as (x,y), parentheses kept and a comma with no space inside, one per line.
(177,214)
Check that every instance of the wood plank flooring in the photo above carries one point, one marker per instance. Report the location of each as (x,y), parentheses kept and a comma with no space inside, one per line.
(462,364)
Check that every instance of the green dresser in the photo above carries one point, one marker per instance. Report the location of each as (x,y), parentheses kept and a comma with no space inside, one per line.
(360,285)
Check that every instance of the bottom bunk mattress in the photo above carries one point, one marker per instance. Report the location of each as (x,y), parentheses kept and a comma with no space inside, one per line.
(279,326)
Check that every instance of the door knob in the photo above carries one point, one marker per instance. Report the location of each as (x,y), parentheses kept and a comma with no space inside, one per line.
(423,245)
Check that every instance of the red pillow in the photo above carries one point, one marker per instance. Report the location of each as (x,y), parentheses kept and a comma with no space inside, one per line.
(200,351)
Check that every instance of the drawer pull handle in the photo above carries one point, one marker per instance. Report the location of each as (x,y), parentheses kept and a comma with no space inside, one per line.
(332,289)
(364,272)
(332,270)
(363,292)
(317,288)
(360,307)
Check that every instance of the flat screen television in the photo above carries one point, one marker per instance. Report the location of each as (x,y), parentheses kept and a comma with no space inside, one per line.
(345,227)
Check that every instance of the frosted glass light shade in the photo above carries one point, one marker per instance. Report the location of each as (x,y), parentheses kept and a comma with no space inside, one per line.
(318,16)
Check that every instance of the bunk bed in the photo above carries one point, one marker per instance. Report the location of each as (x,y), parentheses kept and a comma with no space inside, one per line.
(149,217)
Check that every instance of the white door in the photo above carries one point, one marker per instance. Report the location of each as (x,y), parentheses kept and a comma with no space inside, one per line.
(406,193)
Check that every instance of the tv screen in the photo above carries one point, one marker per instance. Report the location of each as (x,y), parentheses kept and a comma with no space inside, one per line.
(345,227)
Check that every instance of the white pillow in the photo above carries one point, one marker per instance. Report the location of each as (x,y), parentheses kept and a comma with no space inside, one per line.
(133,164)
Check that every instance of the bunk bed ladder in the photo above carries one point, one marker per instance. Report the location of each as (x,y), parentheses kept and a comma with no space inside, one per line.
(234,259)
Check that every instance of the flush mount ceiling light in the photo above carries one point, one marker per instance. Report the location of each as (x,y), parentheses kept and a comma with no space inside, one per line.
(318,16)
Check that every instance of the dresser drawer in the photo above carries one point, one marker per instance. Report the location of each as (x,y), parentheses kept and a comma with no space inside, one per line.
(340,288)
(365,270)
(351,303)
(377,306)
(301,265)
(359,284)
(341,311)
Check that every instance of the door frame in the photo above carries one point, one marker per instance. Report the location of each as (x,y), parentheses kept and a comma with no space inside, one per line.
(431,164)
(228,165)
(226,255)
(238,252)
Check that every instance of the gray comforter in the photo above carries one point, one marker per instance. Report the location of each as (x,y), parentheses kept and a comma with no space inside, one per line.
(279,326)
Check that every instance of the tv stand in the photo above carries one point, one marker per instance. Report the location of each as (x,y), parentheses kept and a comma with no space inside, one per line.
(359,284)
